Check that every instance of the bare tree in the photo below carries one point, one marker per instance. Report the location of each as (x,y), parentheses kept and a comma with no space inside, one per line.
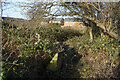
(37,12)
(98,13)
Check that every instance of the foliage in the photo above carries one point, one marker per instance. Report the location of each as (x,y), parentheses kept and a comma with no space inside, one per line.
(54,25)
(99,58)
(27,52)
(57,34)
(21,47)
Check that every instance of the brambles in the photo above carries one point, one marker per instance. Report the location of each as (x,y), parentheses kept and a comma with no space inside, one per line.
(20,50)
(26,53)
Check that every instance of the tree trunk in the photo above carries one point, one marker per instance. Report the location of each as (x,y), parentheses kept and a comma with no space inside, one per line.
(111,33)
(90,32)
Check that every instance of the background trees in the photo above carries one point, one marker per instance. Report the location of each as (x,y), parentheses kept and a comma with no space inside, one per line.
(97,15)
(100,14)
(37,12)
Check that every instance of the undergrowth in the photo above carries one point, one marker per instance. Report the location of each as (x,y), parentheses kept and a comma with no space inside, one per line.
(99,57)
(26,53)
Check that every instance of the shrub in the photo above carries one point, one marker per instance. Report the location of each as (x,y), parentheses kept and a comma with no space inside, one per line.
(57,34)
(54,25)
(99,58)
(23,49)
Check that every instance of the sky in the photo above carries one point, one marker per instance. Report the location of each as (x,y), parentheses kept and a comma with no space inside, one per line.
(13,9)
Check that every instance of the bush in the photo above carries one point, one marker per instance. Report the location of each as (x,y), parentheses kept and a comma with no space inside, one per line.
(99,58)
(27,52)
(57,34)
(54,25)
(23,50)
